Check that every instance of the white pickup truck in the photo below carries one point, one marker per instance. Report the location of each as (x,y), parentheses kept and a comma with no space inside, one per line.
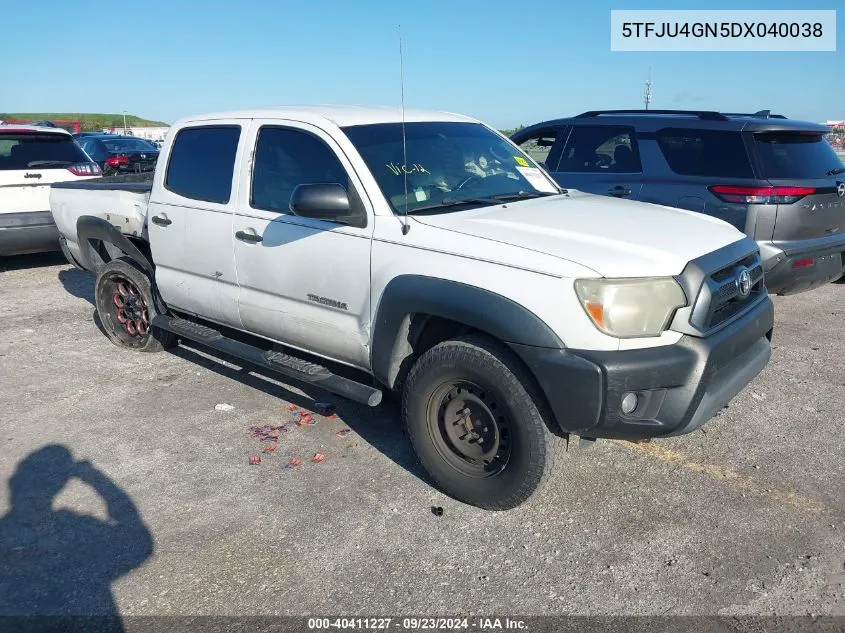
(363,249)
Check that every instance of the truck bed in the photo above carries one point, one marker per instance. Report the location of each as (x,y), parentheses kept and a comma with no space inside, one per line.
(120,200)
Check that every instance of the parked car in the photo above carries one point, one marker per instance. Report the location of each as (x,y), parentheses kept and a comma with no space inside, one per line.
(31,158)
(776,179)
(363,249)
(117,154)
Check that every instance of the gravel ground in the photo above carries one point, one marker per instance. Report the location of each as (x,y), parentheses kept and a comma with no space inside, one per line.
(743,517)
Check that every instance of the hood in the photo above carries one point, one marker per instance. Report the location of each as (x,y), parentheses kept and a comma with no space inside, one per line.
(615,238)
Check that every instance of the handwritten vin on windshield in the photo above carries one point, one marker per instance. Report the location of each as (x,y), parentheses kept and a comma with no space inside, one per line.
(413,168)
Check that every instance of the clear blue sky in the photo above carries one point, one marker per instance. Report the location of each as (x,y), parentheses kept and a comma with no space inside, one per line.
(504,62)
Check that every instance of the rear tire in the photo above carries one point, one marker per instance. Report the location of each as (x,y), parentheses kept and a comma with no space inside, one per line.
(125,305)
(478,424)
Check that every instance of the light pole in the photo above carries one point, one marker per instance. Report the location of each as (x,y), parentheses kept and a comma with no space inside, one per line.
(647,94)
(124,122)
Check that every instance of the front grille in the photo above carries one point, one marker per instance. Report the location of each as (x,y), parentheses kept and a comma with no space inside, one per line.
(721,296)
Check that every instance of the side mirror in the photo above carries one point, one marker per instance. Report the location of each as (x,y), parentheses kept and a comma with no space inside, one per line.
(322,201)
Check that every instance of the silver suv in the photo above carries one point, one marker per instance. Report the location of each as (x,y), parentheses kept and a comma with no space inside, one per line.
(776,179)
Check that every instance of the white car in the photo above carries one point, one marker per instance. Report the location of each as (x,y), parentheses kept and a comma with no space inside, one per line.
(31,159)
(430,256)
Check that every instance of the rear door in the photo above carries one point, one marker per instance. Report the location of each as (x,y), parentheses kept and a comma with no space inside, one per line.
(602,159)
(190,220)
(804,168)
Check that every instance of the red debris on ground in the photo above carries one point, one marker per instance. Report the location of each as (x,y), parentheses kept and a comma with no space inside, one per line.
(306,419)
(318,458)
(271,448)
(343,432)
(254,460)
(293,462)
(291,407)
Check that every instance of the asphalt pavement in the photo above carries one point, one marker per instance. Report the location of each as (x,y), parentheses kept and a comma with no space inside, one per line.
(127,492)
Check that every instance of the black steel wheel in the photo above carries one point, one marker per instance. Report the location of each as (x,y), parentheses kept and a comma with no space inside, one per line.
(478,423)
(126,308)
(469,428)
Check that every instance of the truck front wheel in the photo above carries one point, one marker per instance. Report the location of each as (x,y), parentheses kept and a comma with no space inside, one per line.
(478,424)
(126,309)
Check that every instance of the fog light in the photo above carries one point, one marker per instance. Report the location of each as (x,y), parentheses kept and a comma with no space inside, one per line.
(629,403)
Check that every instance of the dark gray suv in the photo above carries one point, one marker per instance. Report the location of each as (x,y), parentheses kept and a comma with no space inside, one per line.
(776,179)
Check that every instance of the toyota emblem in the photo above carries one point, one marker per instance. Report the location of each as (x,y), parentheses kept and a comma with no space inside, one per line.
(743,282)
(144,157)
(840,188)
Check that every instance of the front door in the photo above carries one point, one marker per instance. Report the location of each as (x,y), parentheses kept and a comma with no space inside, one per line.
(303,282)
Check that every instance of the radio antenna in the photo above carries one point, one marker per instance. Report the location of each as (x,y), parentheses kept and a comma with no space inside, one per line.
(405,226)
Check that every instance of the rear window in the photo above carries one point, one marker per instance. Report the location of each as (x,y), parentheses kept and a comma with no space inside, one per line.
(202,162)
(712,153)
(795,155)
(37,150)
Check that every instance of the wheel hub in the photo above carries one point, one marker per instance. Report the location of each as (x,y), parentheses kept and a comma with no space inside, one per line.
(130,308)
(472,429)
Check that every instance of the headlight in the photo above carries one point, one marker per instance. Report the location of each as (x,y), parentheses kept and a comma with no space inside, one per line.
(628,308)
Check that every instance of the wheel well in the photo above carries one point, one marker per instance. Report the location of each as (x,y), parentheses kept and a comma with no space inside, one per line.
(425,331)
(103,251)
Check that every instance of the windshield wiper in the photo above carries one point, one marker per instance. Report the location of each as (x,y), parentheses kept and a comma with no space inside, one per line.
(49,163)
(525,195)
(835,171)
(453,202)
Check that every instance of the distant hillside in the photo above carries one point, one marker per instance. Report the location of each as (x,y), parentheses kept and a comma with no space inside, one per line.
(87,121)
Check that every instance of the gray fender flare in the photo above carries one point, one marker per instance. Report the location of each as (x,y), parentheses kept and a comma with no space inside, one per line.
(474,307)
(90,229)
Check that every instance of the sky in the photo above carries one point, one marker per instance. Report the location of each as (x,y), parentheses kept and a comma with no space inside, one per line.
(507,63)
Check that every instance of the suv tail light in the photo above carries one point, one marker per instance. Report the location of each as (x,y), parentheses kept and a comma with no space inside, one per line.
(85,169)
(117,161)
(761,195)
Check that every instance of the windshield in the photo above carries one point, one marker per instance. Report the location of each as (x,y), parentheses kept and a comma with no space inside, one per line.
(446,162)
(796,155)
(128,145)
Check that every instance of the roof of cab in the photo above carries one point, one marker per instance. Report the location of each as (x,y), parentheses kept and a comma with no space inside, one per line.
(16,127)
(341,116)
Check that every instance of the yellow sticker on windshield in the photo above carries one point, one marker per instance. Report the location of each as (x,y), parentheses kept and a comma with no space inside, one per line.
(521,161)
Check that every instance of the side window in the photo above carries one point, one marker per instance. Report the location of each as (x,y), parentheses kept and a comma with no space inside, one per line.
(539,146)
(286,158)
(714,153)
(601,149)
(202,162)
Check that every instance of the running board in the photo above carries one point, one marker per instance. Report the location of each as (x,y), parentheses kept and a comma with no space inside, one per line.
(278,362)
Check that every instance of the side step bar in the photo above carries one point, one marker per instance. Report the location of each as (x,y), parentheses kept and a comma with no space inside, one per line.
(278,362)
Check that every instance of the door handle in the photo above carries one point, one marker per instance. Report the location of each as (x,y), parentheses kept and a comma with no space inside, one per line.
(252,238)
(619,191)
(162,220)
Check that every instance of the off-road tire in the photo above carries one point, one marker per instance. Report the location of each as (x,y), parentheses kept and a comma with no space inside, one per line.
(493,376)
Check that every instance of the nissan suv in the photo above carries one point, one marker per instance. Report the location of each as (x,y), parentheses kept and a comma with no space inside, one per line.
(774,178)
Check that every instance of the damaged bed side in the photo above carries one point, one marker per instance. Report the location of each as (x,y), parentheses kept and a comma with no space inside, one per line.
(121,201)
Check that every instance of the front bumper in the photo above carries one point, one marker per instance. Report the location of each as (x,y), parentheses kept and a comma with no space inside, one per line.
(28,232)
(679,387)
(828,263)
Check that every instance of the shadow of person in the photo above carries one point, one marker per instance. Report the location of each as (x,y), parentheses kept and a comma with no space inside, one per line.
(59,562)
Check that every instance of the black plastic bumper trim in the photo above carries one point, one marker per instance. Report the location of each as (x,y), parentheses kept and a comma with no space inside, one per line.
(681,385)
